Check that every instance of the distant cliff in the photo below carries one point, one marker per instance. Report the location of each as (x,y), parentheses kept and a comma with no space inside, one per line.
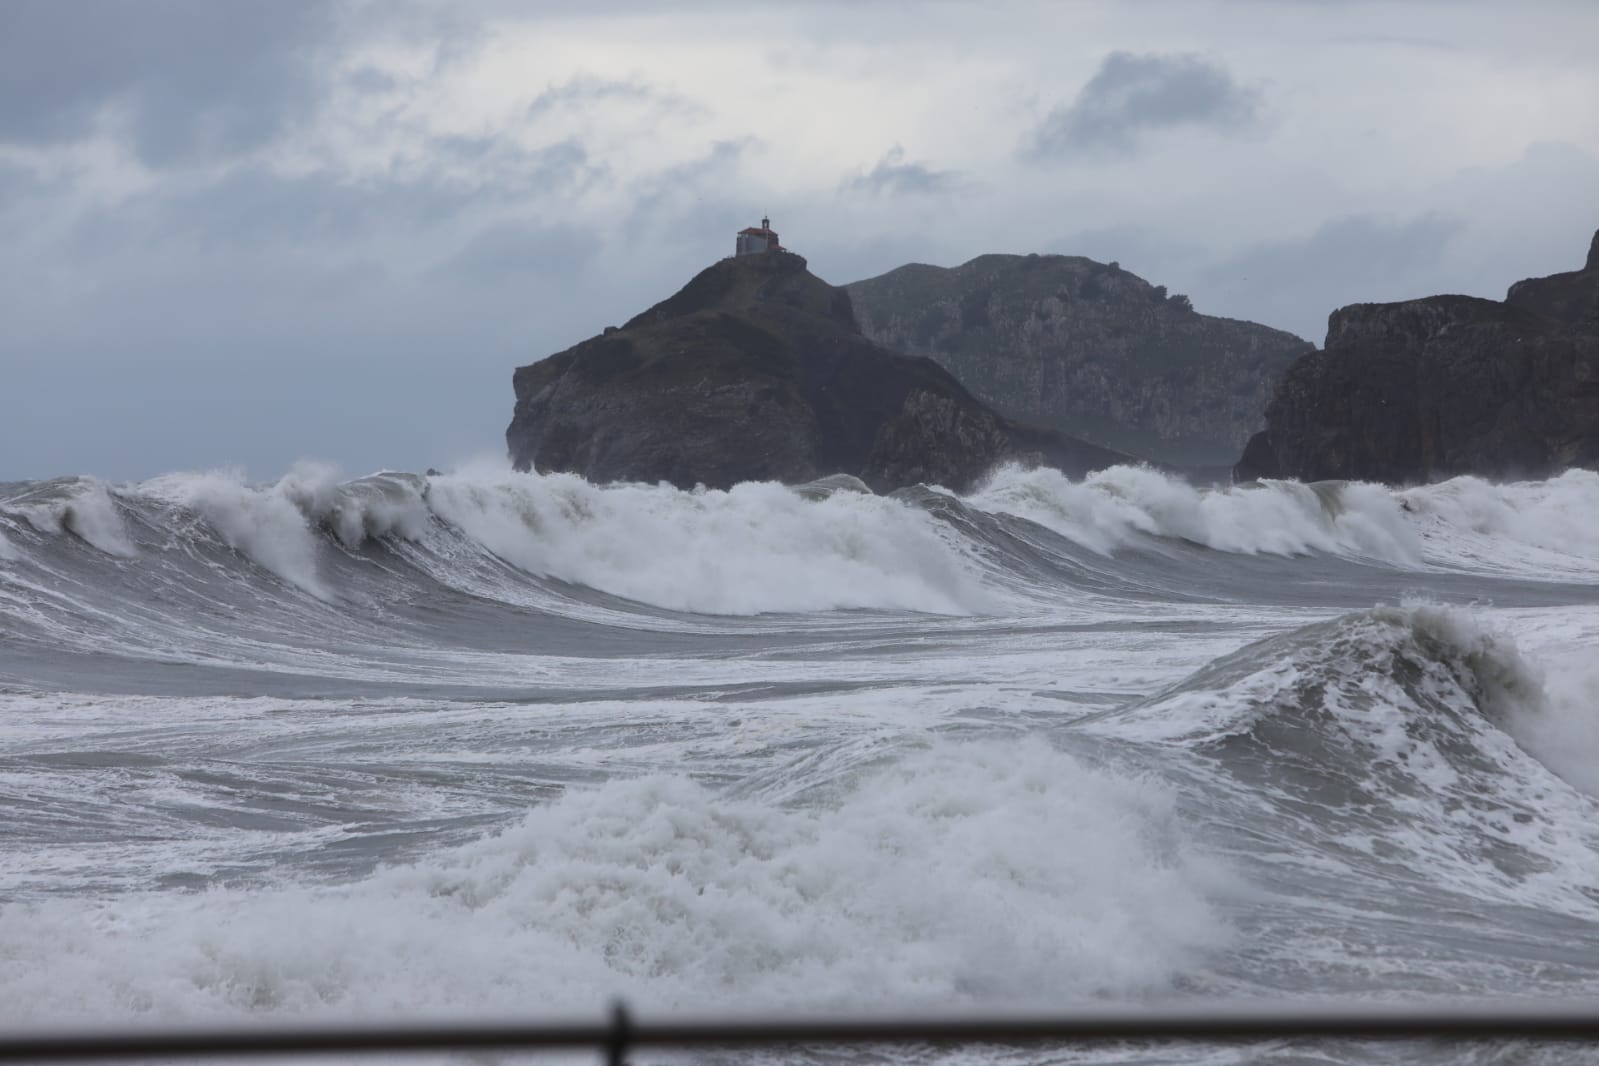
(1447,385)
(756,370)
(1086,348)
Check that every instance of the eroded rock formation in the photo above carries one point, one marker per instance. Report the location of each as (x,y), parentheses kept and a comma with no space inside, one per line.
(1442,386)
(1085,348)
(756,370)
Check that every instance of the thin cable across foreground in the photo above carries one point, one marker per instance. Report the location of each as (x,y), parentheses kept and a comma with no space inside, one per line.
(621,1034)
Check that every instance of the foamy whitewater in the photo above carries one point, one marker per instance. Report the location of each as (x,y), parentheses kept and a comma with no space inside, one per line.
(497,744)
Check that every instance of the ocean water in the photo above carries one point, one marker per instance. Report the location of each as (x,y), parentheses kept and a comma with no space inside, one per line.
(496,744)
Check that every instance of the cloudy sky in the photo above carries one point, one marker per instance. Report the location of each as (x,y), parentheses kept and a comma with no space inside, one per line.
(239,234)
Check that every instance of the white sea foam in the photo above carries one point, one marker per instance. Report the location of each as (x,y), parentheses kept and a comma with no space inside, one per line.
(268,524)
(1106,510)
(8,551)
(1476,665)
(384,505)
(1345,770)
(1562,728)
(1407,733)
(1564,732)
(755,548)
(1534,528)
(1537,528)
(1000,874)
(81,506)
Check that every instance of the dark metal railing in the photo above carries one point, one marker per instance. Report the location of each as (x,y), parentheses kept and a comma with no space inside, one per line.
(621,1034)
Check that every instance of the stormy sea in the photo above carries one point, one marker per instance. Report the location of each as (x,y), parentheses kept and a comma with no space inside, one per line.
(509,745)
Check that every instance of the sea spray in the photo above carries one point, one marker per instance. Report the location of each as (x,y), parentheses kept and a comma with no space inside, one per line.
(754,548)
(269,525)
(375,507)
(1390,732)
(1109,509)
(81,506)
(1562,728)
(1536,528)
(997,874)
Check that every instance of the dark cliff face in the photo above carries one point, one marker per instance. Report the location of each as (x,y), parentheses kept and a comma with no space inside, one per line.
(755,370)
(1447,385)
(1086,348)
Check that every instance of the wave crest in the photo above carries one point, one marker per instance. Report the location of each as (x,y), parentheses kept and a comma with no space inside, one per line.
(82,506)
(1535,528)
(1389,742)
(268,525)
(1113,508)
(755,547)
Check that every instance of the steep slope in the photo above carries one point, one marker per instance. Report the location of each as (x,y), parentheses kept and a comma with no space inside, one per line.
(756,370)
(1447,385)
(1086,348)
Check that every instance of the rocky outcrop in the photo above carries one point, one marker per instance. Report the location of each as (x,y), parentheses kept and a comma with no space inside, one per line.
(1086,348)
(1447,385)
(756,370)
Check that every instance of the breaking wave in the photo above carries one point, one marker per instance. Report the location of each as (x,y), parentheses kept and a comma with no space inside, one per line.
(81,506)
(755,548)
(1533,528)
(1114,508)
(132,568)
(1408,735)
(989,873)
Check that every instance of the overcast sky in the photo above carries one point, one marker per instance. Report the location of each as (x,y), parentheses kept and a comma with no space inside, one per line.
(239,234)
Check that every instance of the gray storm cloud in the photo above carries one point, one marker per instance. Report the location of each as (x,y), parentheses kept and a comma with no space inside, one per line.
(585,91)
(1132,95)
(894,176)
(252,233)
(189,78)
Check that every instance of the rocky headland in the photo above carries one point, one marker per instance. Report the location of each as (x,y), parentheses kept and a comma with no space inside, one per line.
(1086,348)
(757,370)
(1446,385)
